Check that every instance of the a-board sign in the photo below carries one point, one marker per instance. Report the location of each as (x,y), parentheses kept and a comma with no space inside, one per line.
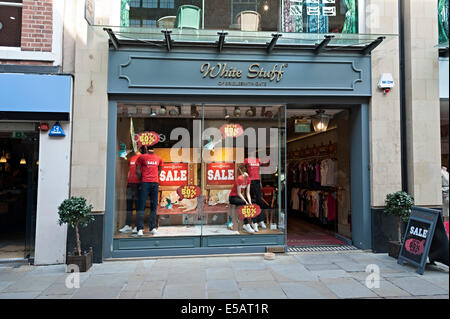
(423,238)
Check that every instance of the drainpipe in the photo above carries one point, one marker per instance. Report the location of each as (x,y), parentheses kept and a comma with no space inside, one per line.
(402,62)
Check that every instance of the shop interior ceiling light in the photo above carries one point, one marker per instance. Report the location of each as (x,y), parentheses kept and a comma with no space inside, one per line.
(23,161)
(3,159)
(237,111)
(226,115)
(152,113)
(251,111)
(320,121)
(266,6)
(162,110)
(194,111)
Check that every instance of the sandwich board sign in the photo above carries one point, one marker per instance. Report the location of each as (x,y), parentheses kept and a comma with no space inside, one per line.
(423,238)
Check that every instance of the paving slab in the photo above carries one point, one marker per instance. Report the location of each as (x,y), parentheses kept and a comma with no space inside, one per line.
(223,295)
(186,276)
(5,284)
(185,291)
(253,275)
(220,273)
(59,288)
(48,270)
(106,280)
(306,290)
(261,290)
(294,272)
(222,286)
(387,289)
(54,297)
(282,259)
(317,267)
(331,273)
(348,288)
(111,267)
(217,262)
(19,295)
(97,293)
(38,283)
(417,286)
(248,265)
(156,275)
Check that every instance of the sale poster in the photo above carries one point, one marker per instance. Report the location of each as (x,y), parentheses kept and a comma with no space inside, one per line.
(249,211)
(173,174)
(220,174)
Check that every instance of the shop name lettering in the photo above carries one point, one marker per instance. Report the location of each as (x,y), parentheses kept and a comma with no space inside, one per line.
(254,71)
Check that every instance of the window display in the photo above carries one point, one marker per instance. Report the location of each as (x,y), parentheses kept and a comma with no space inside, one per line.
(198,170)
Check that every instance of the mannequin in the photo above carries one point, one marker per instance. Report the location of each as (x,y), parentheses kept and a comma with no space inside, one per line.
(242,183)
(132,193)
(148,169)
(253,165)
(268,198)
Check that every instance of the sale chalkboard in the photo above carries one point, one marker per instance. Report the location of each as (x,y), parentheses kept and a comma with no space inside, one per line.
(422,233)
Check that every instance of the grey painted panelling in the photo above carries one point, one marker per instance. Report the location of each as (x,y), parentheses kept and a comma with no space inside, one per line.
(137,72)
(242,240)
(156,243)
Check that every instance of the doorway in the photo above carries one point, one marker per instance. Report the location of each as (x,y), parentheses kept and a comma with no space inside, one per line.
(318,150)
(19,154)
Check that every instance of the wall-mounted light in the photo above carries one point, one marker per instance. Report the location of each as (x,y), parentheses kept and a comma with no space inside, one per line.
(320,121)
(3,158)
(266,6)
(23,161)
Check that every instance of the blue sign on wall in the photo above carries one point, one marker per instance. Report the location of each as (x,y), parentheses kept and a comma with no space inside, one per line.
(57,130)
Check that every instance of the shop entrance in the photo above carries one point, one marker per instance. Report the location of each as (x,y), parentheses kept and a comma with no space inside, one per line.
(318,176)
(19,147)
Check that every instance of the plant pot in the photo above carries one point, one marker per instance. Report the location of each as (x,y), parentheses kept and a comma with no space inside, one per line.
(394,248)
(84,262)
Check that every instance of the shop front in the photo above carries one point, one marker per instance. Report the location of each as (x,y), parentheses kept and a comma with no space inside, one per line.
(216,127)
(35,146)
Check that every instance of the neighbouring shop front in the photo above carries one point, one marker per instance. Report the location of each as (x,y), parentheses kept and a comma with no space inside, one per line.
(35,148)
(210,117)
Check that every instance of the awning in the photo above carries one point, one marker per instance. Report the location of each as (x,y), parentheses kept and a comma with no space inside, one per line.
(221,40)
(35,96)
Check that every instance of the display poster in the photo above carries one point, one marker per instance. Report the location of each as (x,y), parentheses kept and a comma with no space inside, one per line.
(146,138)
(249,211)
(173,174)
(231,130)
(220,174)
(188,192)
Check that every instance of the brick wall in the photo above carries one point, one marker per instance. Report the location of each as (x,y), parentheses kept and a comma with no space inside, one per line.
(37,25)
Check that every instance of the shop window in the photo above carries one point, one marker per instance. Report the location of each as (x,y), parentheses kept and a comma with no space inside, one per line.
(443,20)
(320,16)
(207,156)
(10,23)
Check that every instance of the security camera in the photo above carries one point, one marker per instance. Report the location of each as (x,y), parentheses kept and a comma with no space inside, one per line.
(386,82)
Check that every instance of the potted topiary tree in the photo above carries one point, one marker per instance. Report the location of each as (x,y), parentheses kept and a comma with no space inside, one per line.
(76,213)
(398,204)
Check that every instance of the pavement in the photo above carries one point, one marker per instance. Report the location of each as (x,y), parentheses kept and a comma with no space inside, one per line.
(312,275)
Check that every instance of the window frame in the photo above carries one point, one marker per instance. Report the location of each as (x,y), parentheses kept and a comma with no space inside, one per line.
(17,5)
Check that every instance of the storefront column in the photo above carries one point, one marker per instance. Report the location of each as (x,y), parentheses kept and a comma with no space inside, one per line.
(422,102)
(360,177)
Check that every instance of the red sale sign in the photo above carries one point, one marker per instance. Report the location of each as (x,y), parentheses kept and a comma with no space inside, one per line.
(173,174)
(231,130)
(146,138)
(249,211)
(220,174)
(188,192)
